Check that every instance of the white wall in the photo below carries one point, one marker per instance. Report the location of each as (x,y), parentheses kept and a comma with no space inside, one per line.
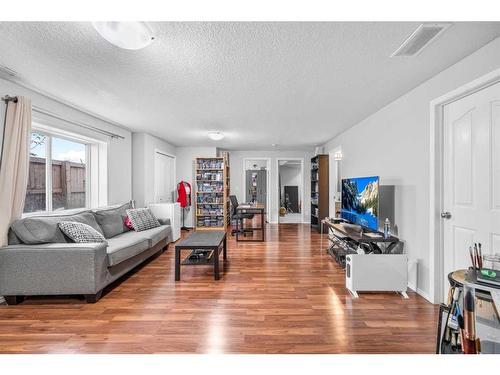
(237,173)
(185,171)
(290,176)
(119,150)
(144,147)
(394,143)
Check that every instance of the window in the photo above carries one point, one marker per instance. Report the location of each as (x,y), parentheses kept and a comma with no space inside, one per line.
(36,194)
(58,173)
(69,174)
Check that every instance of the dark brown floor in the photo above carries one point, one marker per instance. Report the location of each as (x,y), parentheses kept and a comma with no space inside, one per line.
(282,296)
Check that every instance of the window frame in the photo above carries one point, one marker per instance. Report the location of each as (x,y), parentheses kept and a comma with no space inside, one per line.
(93,149)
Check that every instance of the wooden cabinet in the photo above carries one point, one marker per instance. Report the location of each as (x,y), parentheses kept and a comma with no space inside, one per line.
(319,190)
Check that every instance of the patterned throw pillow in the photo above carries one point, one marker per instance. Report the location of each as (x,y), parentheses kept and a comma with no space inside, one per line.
(142,219)
(80,232)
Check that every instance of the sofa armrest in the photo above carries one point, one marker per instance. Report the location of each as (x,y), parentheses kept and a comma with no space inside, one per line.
(164,221)
(50,269)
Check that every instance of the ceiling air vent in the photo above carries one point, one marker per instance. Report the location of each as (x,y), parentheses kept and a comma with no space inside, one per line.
(7,72)
(421,37)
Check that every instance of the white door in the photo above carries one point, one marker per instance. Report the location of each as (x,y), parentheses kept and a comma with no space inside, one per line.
(164,179)
(471,177)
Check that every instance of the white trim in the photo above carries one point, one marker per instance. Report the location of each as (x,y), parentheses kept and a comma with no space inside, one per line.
(39,124)
(302,190)
(48,173)
(436,178)
(420,292)
(268,184)
(95,195)
(333,178)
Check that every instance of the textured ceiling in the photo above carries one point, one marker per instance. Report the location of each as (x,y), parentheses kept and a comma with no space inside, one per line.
(293,84)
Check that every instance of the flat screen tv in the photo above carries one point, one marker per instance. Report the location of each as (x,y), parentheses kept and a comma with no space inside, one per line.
(360,201)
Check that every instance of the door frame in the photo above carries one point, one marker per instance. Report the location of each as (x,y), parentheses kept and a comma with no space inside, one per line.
(334,176)
(164,153)
(277,191)
(268,183)
(436,181)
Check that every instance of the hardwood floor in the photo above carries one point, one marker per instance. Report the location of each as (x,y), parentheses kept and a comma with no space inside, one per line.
(282,296)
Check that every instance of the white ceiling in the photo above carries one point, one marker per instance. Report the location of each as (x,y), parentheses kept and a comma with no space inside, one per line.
(293,84)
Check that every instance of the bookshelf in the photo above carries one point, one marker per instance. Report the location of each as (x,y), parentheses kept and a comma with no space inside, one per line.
(212,193)
(319,190)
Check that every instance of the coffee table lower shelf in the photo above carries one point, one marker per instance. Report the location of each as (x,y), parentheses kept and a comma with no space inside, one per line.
(205,260)
(210,241)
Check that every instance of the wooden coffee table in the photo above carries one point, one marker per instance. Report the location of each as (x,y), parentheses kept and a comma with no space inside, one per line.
(202,240)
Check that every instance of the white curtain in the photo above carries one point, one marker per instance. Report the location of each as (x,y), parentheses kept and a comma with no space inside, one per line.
(14,167)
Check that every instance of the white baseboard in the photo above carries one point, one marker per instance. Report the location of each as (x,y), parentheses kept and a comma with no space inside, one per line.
(412,287)
(420,292)
(425,295)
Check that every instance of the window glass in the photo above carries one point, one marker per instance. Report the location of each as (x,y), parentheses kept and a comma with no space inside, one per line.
(68,174)
(36,191)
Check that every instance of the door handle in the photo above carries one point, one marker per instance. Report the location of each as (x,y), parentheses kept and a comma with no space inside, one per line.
(446,215)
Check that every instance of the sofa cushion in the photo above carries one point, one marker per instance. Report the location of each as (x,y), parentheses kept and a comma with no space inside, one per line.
(112,219)
(125,246)
(80,233)
(44,228)
(155,235)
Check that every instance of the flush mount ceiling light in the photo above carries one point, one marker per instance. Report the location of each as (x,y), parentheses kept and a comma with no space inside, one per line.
(215,136)
(126,35)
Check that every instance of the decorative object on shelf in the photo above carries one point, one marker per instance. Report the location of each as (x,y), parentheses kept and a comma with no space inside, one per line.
(212,193)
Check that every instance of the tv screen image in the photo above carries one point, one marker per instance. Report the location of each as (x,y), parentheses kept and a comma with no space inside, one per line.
(360,201)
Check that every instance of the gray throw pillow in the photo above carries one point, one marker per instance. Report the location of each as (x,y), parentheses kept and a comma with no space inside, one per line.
(142,219)
(79,232)
(112,219)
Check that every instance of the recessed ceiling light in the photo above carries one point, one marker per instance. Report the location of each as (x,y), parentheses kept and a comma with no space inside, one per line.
(216,136)
(274,144)
(127,35)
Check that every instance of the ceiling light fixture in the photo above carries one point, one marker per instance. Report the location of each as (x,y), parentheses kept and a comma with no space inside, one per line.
(215,136)
(126,35)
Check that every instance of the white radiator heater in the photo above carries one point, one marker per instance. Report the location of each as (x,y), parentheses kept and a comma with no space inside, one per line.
(170,211)
(376,273)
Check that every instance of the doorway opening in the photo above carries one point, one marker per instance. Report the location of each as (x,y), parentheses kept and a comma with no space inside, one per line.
(291,190)
(256,180)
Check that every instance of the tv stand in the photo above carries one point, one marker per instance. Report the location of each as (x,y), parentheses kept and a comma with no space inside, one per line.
(381,266)
(344,240)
